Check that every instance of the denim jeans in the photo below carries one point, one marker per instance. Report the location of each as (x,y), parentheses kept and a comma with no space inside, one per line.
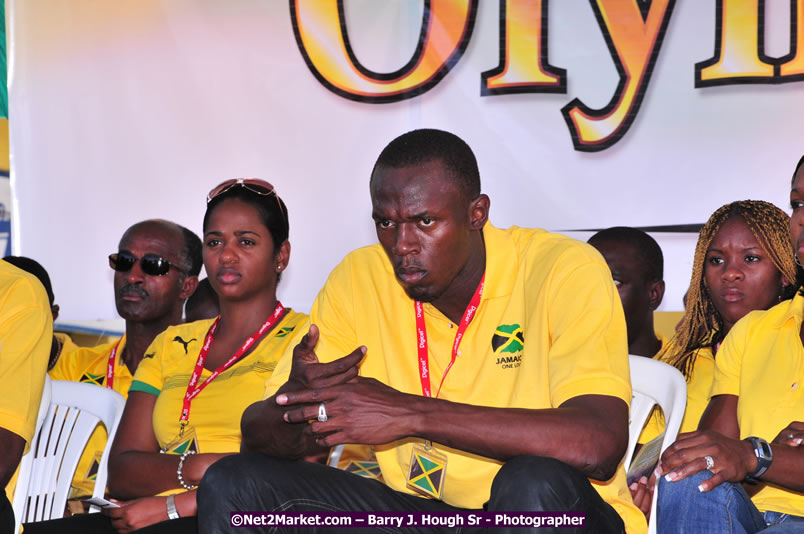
(726,509)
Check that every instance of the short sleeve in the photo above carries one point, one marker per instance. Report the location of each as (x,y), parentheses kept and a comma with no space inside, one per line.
(729,359)
(26,335)
(589,350)
(149,377)
(332,313)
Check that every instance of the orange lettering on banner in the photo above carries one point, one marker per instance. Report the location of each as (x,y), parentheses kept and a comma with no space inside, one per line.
(634,33)
(739,47)
(523,67)
(322,37)
(736,58)
(794,69)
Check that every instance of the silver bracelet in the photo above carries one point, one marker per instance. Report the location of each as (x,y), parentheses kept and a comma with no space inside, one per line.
(181,465)
(172,512)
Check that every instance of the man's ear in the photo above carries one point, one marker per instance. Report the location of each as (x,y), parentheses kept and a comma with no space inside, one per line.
(54,311)
(282,257)
(188,286)
(479,212)
(656,293)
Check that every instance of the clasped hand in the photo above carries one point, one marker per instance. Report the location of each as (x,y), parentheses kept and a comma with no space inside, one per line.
(732,459)
(359,410)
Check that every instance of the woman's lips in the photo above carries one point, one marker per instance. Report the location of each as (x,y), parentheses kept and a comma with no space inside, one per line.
(228,276)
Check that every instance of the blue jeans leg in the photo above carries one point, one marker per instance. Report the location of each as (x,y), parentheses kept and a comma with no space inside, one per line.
(727,509)
(779,523)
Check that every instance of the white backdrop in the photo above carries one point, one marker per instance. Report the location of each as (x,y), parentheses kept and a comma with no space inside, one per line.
(127,110)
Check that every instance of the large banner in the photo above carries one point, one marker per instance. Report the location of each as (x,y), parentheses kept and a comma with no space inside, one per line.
(583,114)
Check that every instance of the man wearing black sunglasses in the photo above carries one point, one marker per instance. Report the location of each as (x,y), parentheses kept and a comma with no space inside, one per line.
(156,269)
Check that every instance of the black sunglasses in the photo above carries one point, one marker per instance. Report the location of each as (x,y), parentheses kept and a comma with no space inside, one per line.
(150,264)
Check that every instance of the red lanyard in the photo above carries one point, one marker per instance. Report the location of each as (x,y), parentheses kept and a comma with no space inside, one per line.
(192,389)
(421,338)
(110,365)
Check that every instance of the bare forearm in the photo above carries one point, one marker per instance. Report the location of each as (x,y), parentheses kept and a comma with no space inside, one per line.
(592,444)
(787,468)
(134,474)
(186,504)
(13,445)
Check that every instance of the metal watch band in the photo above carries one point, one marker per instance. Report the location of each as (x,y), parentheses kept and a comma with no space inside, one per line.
(764,455)
(172,512)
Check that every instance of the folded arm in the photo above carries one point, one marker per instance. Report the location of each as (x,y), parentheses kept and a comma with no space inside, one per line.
(136,467)
(588,432)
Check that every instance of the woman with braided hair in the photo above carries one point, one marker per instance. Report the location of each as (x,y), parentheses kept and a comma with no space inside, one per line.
(755,399)
(743,262)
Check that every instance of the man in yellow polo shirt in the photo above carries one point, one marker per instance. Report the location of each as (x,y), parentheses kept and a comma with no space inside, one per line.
(493,370)
(156,270)
(61,341)
(26,332)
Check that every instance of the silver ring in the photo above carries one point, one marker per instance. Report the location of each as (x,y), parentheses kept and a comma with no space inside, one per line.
(322,413)
(710,462)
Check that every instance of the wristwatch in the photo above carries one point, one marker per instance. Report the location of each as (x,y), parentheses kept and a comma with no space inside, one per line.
(172,512)
(764,454)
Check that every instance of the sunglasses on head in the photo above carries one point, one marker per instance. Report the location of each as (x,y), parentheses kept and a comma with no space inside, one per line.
(150,264)
(255,185)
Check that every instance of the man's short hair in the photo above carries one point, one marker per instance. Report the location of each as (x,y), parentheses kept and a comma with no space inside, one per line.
(35,268)
(191,251)
(650,253)
(425,145)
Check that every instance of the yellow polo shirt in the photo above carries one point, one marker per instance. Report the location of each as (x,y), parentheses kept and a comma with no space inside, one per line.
(762,362)
(88,365)
(26,335)
(67,345)
(215,412)
(549,327)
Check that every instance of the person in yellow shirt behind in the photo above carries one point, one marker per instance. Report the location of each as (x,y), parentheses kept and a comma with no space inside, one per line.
(743,470)
(156,269)
(637,268)
(26,334)
(62,343)
(493,367)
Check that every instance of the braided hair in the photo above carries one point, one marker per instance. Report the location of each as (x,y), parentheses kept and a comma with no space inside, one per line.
(702,325)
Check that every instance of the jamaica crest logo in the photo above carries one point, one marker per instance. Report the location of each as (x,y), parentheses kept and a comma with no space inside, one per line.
(508,342)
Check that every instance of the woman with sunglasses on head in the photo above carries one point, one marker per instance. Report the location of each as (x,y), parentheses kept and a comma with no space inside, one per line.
(185,403)
(743,262)
(750,434)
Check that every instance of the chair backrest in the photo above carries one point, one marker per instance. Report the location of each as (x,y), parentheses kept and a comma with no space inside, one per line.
(24,472)
(652,383)
(75,409)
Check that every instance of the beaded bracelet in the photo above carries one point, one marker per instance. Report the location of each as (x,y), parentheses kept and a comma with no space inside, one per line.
(181,465)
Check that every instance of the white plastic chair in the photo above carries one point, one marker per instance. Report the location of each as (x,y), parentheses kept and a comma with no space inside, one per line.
(46,472)
(654,382)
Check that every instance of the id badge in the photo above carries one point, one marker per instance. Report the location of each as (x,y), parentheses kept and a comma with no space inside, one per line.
(367,468)
(185,441)
(427,471)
